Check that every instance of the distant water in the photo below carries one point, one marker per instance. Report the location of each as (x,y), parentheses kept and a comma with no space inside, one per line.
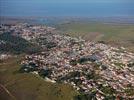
(63,9)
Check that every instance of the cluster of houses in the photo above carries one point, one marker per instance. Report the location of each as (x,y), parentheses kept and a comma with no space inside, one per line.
(91,68)
(4,56)
(25,30)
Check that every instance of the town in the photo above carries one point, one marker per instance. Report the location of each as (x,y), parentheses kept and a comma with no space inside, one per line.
(96,69)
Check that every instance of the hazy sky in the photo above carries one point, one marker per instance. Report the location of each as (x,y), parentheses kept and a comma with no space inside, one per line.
(69,1)
(66,7)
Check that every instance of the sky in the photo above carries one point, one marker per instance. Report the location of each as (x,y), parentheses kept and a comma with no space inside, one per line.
(67,7)
(69,1)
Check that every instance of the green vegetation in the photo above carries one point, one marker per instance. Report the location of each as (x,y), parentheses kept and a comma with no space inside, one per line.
(90,96)
(119,65)
(107,90)
(92,75)
(27,86)
(44,41)
(17,45)
(116,34)
(82,60)
(45,73)
(129,91)
(130,65)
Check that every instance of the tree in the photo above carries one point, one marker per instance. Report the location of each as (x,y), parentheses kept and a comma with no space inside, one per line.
(45,72)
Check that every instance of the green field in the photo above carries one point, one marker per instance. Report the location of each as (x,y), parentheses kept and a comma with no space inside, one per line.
(26,86)
(113,33)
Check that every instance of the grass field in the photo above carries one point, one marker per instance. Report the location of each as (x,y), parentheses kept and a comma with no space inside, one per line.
(26,86)
(113,33)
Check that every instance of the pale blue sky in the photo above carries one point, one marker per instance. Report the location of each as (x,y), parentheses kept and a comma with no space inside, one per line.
(70,1)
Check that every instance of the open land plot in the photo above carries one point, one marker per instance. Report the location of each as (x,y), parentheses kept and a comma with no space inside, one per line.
(115,34)
(27,86)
